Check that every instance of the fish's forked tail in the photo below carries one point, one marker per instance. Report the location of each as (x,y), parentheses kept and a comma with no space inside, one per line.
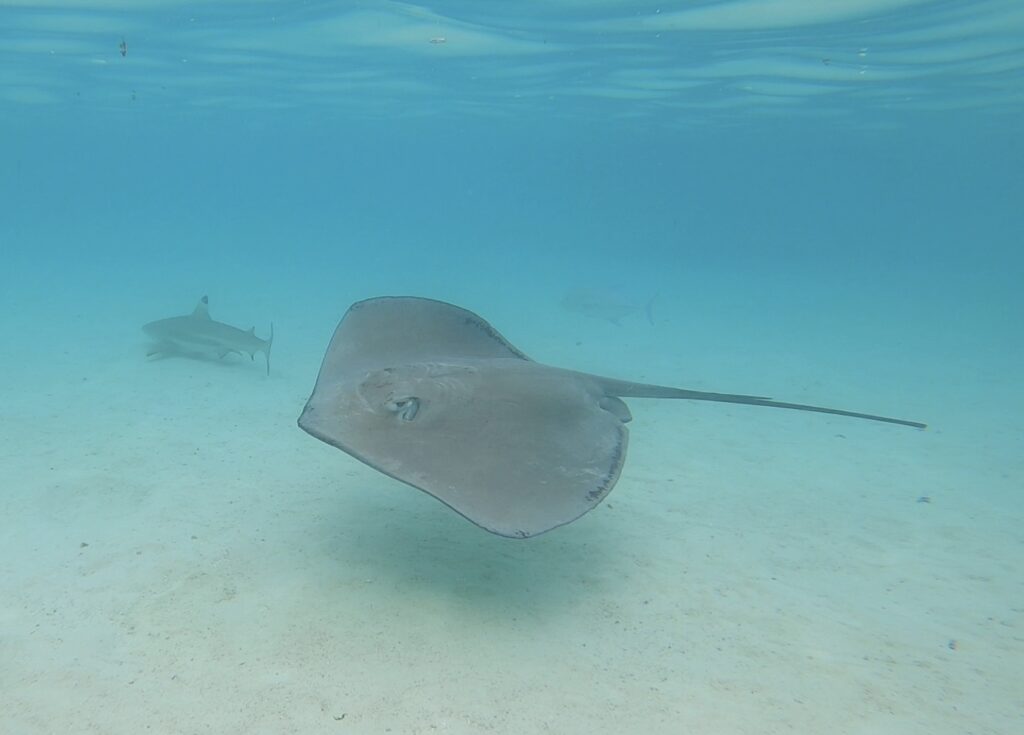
(649,310)
(267,346)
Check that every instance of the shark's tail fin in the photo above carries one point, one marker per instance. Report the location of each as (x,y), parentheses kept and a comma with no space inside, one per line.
(267,346)
(649,310)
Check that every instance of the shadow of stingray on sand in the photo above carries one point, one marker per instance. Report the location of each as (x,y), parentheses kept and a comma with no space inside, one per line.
(415,547)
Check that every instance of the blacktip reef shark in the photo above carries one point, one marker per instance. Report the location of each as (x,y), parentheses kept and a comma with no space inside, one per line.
(432,395)
(198,334)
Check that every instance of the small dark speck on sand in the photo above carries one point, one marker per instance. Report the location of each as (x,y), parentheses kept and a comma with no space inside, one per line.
(925,499)
(82,545)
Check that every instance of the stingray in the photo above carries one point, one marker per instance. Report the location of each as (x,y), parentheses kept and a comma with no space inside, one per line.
(432,395)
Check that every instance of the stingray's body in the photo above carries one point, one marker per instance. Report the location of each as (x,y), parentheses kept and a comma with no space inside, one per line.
(432,395)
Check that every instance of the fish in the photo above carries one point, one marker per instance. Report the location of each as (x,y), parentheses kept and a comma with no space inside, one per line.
(198,334)
(598,304)
(432,395)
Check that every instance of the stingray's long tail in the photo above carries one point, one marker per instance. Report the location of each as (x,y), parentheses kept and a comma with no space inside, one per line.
(625,389)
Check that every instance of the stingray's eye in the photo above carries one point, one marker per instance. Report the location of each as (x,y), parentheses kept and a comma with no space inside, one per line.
(406,407)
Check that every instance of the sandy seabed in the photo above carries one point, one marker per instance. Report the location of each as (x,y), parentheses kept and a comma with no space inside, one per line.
(178,557)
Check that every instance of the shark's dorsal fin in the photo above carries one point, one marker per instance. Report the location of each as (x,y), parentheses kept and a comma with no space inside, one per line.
(202,310)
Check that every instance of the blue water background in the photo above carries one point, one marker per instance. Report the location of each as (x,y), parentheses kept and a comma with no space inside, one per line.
(856,245)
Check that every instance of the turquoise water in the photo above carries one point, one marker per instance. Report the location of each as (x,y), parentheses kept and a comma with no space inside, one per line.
(819,202)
